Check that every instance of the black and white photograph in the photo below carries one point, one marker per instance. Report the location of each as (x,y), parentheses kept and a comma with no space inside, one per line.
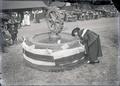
(59,42)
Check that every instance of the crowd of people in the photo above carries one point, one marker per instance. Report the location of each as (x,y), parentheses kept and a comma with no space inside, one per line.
(28,16)
(8,31)
(88,12)
(10,24)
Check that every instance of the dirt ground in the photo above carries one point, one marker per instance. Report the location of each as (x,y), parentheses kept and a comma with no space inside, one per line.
(105,73)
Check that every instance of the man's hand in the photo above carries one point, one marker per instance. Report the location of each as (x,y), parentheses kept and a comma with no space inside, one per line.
(81,40)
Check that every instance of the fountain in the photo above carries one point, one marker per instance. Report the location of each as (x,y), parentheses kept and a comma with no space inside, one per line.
(55,50)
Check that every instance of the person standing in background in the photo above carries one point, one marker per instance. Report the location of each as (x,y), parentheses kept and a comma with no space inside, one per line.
(37,16)
(2,42)
(13,29)
(26,19)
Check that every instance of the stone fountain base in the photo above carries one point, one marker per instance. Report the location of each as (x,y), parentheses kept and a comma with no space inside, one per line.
(52,55)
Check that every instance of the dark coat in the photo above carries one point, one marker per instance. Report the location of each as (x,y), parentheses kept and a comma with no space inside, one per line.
(2,41)
(37,17)
(92,44)
(1,38)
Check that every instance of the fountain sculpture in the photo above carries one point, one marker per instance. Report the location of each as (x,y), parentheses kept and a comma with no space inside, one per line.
(55,50)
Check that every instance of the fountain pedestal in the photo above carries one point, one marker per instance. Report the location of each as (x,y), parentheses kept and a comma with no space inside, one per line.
(48,55)
(54,37)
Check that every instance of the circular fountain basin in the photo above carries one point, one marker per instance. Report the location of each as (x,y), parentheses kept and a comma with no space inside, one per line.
(45,54)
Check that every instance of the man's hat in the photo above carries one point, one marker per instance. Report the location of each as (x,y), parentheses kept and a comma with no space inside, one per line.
(75,30)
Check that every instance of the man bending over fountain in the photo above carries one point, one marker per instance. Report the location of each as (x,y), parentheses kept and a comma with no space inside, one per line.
(92,44)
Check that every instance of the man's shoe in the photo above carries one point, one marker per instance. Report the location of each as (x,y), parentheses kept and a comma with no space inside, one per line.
(97,61)
(4,52)
(90,62)
(82,58)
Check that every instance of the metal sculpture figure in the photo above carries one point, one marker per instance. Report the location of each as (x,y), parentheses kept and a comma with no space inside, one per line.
(55,21)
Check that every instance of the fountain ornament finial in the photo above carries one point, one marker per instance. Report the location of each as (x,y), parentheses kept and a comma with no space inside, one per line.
(55,20)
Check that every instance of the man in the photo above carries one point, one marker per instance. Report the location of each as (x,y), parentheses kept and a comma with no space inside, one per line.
(13,30)
(2,43)
(91,41)
(37,16)
(26,19)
